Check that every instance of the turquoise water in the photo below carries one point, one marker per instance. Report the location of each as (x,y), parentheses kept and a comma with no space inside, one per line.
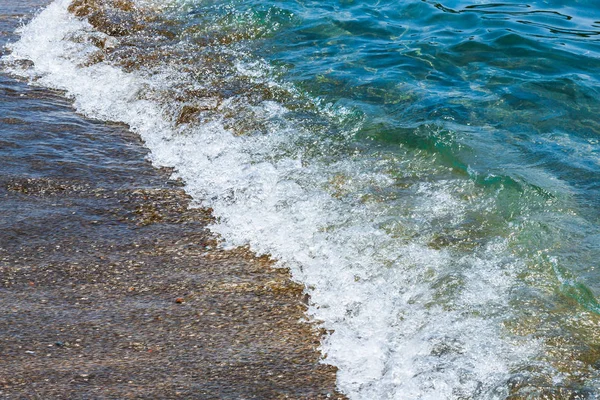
(430,171)
(504,94)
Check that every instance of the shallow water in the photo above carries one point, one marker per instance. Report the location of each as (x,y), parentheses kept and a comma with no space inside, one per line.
(429,171)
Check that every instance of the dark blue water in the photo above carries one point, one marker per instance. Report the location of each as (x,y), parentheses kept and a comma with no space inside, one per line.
(430,171)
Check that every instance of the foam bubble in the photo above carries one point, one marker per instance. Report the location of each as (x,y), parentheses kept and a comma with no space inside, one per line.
(410,320)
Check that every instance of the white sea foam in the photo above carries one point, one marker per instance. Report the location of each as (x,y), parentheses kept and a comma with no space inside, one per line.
(410,320)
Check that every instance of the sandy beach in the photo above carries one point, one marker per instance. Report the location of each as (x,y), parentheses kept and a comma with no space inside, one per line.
(112,287)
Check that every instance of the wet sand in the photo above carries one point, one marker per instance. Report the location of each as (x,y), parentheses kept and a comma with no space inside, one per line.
(111,287)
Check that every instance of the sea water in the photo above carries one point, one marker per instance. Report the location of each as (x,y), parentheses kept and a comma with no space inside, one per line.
(430,171)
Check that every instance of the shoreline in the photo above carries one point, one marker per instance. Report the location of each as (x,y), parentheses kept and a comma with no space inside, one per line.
(114,288)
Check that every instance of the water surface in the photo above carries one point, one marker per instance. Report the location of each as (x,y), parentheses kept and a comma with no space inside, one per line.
(428,170)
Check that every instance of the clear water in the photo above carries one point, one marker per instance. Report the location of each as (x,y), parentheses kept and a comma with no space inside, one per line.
(430,171)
